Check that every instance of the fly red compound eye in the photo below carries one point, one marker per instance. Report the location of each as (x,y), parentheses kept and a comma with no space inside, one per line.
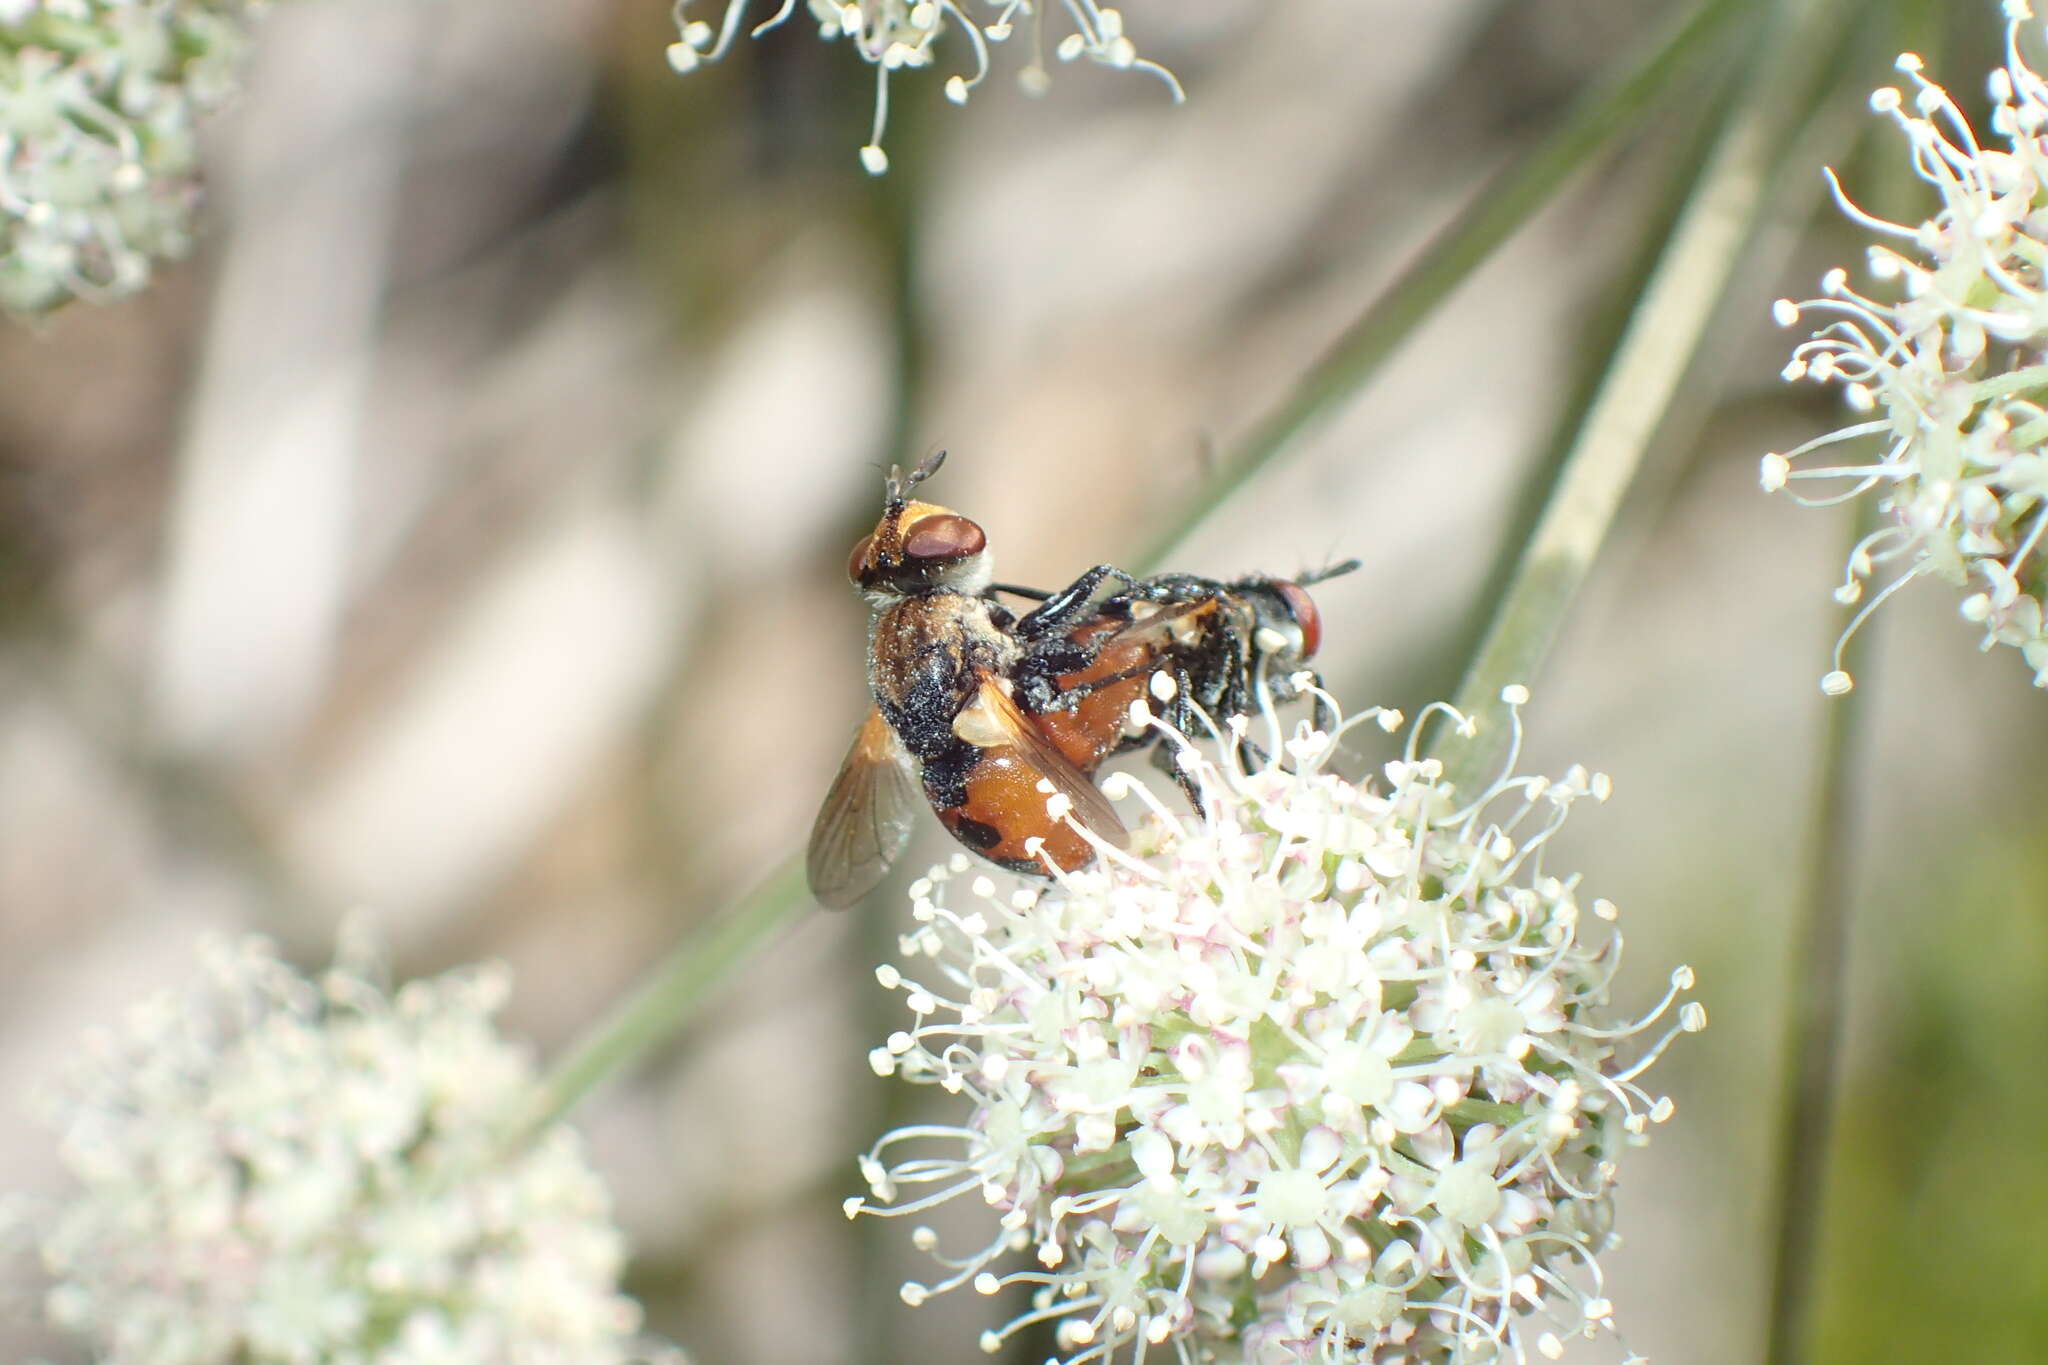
(946,535)
(1305,615)
(854,560)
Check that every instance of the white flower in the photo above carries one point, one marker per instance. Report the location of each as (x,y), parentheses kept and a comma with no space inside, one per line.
(893,35)
(1327,1074)
(281,1171)
(98,99)
(1948,363)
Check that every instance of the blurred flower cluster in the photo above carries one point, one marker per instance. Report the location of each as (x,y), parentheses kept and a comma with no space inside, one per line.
(1325,1074)
(1949,363)
(98,99)
(275,1169)
(892,35)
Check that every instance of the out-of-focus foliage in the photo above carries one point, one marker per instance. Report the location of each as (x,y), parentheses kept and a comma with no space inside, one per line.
(1937,1219)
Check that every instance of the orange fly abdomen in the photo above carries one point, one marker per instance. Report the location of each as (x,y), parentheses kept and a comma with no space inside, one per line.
(1092,728)
(1004,809)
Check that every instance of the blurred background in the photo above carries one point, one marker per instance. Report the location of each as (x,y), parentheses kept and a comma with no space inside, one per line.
(460,534)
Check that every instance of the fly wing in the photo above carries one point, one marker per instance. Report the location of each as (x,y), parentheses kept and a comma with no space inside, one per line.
(1170,624)
(994,721)
(866,818)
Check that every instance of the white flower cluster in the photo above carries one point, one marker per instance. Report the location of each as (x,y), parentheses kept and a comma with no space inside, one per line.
(97,153)
(277,1171)
(892,35)
(1950,366)
(1327,1074)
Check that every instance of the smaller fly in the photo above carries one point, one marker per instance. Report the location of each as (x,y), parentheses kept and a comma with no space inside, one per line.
(942,664)
(1224,646)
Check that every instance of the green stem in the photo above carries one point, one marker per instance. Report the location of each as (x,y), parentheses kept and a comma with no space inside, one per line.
(1818,951)
(669,997)
(2012,382)
(1500,210)
(2030,435)
(1650,360)
(680,983)
(1816,975)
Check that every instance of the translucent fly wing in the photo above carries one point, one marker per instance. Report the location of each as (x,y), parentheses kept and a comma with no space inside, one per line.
(994,721)
(866,818)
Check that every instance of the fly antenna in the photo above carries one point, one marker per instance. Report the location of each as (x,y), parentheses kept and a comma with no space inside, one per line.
(1337,570)
(925,469)
(897,486)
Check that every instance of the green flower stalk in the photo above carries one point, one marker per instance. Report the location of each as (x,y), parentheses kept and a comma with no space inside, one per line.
(98,158)
(1944,354)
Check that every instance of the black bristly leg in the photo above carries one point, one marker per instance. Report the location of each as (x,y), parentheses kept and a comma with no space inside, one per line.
(1035,679)
(1034,675)
(1240,698)
(1063,610)
(1048,652)
(1168,588)
(1186,716)
(1166,758)
(1017,590)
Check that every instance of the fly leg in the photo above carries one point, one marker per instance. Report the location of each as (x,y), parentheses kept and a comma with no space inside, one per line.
(1063,610)
(1046,636)
(1183,713)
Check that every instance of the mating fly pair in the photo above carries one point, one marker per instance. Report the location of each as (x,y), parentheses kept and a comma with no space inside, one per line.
(999,722)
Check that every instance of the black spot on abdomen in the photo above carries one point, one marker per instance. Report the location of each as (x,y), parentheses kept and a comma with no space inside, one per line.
(977,836)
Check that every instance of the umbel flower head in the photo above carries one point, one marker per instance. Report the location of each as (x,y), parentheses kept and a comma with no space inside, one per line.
(98,99)
(1945,354)
(281,1171)
(1326,1074)
(893,35)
